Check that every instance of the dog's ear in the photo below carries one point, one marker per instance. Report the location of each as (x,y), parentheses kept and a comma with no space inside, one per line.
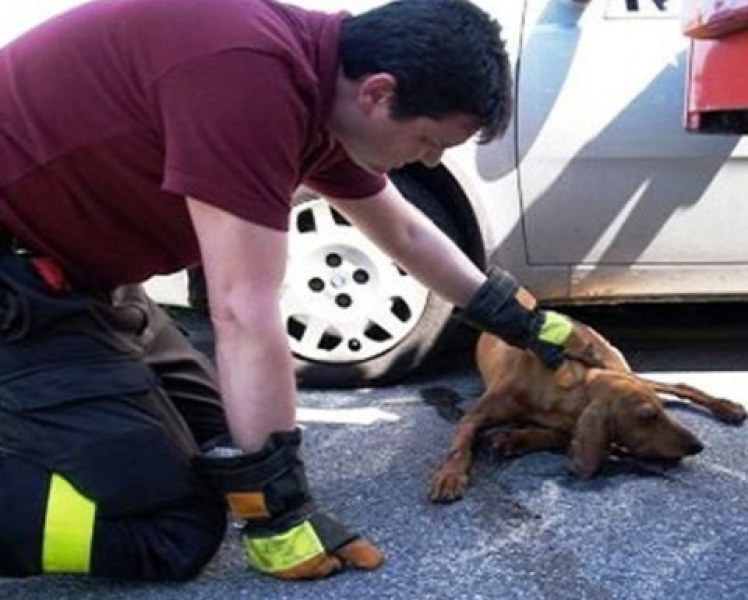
(592,436)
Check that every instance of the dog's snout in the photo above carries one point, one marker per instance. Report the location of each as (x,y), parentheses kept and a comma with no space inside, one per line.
(695,447)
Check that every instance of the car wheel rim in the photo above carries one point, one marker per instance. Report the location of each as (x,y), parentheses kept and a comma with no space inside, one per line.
(343,300)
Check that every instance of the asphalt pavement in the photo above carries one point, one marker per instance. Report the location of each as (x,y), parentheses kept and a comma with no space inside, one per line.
(527,529)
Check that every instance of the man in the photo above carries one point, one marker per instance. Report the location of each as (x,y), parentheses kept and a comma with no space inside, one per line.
(143,136)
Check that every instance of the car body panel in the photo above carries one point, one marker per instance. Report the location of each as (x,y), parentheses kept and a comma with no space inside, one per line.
(611,176)
(618,202)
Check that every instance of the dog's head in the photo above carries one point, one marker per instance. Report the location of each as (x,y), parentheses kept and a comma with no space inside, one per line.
(625,411)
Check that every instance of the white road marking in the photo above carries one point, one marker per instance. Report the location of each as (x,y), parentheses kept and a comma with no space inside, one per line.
(345,416)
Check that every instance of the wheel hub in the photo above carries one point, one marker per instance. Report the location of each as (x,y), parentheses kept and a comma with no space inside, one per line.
(338,281)
(343,300)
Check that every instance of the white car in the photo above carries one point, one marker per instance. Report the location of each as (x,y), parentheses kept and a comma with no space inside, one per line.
(596,194)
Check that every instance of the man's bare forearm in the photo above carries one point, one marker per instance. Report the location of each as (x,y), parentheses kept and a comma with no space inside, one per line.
(437,262)
(416,244)
(257,382)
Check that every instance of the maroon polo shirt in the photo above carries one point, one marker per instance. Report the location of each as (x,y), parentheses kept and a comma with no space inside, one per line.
(115,111)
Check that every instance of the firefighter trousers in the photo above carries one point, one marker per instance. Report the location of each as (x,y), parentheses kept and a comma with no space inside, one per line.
(103,404)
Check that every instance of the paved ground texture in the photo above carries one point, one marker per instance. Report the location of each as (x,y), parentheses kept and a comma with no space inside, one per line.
(526,530)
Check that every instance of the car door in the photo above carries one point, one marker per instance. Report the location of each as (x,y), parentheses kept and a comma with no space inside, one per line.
(611,183)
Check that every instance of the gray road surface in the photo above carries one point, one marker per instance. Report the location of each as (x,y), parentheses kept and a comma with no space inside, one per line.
(527,529)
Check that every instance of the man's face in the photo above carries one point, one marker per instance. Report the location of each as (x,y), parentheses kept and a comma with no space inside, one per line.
(386,144)
(379,143)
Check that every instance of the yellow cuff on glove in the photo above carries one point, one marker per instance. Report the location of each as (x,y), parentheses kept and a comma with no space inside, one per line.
(556,328)
(285,551)
(300,554)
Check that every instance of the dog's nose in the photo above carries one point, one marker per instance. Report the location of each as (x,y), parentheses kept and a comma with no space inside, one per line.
(695,447)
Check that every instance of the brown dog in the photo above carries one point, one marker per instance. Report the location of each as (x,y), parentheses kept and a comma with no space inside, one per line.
(587,410)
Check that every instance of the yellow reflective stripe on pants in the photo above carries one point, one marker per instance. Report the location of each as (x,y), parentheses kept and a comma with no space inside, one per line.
(68,529)
(284,551)
(556,328)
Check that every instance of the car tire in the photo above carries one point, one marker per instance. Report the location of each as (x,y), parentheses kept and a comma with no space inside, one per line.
(408,345)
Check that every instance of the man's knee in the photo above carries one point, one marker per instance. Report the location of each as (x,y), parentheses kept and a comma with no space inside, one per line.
(48,526)
(174,544)
(201,538)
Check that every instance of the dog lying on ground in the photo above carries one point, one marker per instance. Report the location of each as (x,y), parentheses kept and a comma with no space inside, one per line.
(587,411)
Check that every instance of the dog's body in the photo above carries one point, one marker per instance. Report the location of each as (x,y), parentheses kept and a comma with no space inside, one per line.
(587,410)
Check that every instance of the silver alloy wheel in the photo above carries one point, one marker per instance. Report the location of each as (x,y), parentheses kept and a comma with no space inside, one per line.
(343,300)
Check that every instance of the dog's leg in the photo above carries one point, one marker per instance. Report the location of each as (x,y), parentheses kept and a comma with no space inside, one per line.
(451,480)
(529,439)
(722,409)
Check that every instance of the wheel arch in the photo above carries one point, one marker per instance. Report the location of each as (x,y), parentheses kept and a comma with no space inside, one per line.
(461,204)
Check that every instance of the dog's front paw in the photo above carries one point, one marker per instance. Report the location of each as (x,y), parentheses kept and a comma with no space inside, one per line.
(729,412)
(448,486)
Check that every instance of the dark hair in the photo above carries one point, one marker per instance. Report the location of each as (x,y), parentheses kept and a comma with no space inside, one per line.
(447,57)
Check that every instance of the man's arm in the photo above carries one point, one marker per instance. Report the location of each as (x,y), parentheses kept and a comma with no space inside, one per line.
(499,305)
(244,266)
(415,243)
(286,534)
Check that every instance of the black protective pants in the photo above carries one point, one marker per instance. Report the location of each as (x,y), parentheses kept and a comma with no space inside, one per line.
(103,403)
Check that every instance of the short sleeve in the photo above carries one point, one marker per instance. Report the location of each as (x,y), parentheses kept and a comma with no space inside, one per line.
(234,125)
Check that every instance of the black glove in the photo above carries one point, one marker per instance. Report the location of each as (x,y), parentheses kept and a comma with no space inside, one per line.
(495,308)
(285,535)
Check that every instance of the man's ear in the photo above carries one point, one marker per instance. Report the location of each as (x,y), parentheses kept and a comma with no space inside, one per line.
(377,91)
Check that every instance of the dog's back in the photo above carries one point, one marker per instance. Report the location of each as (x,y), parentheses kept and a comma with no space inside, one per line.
(548,399)
(493,354)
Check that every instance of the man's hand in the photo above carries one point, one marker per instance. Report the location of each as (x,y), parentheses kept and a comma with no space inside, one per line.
(502,307)
(579,347)
(309,550)
(285,534)
(559,338)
